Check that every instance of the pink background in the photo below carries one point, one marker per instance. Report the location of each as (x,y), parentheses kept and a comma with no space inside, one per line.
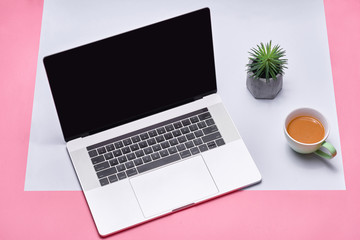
(245,214)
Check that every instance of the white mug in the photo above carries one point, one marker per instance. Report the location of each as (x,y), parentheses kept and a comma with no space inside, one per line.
(306,148)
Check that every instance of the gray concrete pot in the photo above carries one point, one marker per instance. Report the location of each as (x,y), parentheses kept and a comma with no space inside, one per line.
(264,90)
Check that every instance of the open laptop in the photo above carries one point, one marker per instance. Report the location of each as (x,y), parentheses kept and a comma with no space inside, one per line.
(145,129)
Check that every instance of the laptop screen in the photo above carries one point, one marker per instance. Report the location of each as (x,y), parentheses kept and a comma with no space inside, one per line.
(132,75)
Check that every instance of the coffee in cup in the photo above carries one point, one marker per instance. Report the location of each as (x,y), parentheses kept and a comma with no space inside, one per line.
(306,131)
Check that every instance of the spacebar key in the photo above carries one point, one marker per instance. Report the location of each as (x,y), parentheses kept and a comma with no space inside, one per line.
(158,163)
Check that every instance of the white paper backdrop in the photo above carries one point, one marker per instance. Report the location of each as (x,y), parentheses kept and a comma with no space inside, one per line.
(298,26)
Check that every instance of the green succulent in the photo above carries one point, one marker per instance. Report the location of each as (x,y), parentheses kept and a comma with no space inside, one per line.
(266,61)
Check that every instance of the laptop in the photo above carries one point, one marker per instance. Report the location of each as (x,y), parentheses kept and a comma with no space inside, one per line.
(145,129)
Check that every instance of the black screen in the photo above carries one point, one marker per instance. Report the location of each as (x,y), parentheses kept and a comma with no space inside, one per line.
(128,76)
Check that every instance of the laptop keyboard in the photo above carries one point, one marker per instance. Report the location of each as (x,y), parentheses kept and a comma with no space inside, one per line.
(151,147)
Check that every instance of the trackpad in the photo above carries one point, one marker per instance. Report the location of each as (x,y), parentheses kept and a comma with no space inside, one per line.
(173,186)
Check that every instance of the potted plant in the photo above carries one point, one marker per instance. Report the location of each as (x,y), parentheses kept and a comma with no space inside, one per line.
(265,70)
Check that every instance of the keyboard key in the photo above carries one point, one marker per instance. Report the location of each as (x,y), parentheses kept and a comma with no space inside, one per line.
(144,136)
(204,116)
(155,156)
(180,147)
(181,139)
(194,119)
(173,142)
(152,133)
(186,122)
(127,141)
(121,175)
(172,150)
(177,125)
(210,129)
(101,150)
(160,138)
(129,164)
(110,147)
(176,133)
(151,141)
(146,159)
(156,147)
(122,159)
(165,145)
(190,136)
(139,153)
(158,163)
(164,153)
(98,159)
(161,130)
(93,153)
(169,127)
(185,154)
(194,150)
(201,124)
(211,137)
(193,127)
(120,167)
(106,172)
(199,133)
(101,166)
(203,148)
(118,145)
(131,172)
(135,139)
(138,161)
(117,153)
(189,144)
(168,136)
(220,142)
(108,156)
(210,122)
(211,145)
(113,162)
(185,130)
(113,178)
(125,150)
(130,156)
(134,147)
(148,150)
(143,144)
(198,141)
(104,181)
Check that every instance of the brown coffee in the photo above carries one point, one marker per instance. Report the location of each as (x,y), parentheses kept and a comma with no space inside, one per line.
(306,129)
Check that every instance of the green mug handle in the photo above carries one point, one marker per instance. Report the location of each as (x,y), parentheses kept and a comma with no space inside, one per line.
(328,147)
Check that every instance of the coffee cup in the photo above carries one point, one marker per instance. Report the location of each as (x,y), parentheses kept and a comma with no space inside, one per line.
(306,131)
